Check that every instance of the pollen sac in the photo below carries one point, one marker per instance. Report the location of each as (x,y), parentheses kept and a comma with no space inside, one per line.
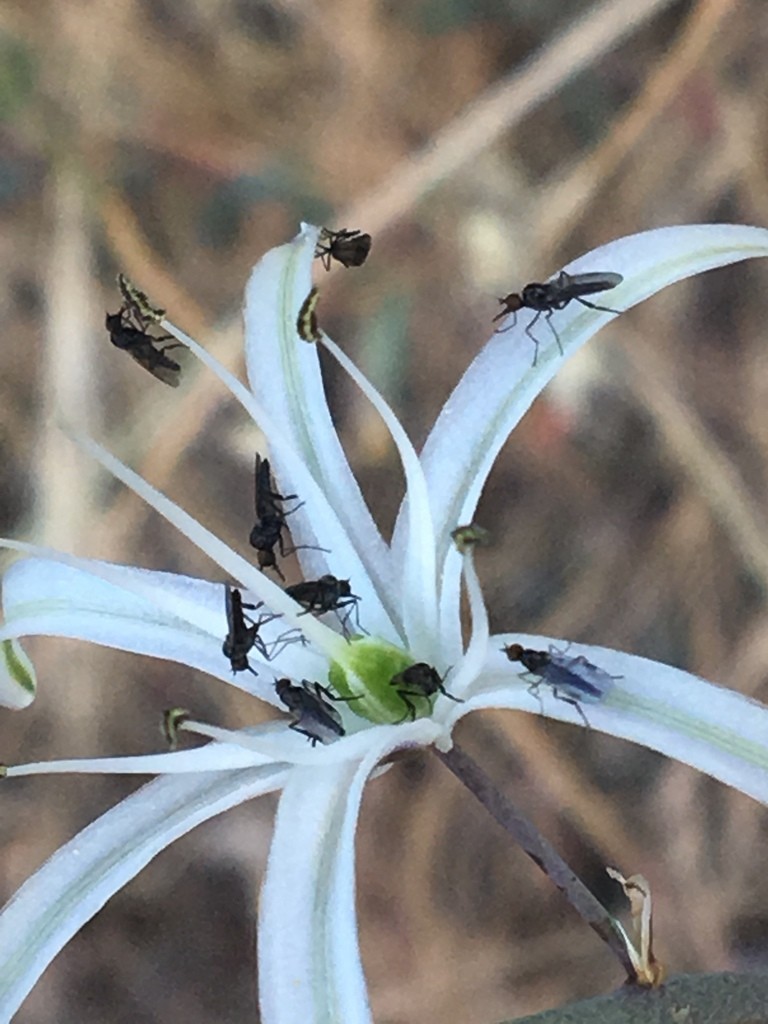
(306,322)
(467,537)
(137,302)
(172,720)
(574,680)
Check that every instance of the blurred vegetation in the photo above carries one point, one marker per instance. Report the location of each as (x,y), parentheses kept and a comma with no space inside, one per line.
(177,141)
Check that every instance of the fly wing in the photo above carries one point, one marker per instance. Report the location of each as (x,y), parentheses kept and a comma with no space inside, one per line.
(578,677)
(321,721)
(229,607)
(589,284)
(593,674)
(564,675)
(159,365)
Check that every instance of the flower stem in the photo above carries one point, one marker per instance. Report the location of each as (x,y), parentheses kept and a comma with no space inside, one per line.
(539,850)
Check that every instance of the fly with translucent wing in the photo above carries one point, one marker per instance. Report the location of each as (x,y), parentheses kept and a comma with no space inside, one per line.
(326,594)
(129,330)
(348,246)
(549,297)
(310,707)
(421,681)
(573,679)
(242,633)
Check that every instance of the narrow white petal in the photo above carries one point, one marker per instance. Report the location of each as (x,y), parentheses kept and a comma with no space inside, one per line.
(284,374)
(309,957)
(501,383)
(163,615)
(276,741)
(316,521)
(711,728)
(417,586)
(81,876)
(235,565)
(477,649)
(213,757)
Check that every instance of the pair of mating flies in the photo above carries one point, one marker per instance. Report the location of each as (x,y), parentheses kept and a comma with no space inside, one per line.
(551,296)
(313,713)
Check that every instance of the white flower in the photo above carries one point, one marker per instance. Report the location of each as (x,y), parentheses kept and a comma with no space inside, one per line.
(309,959)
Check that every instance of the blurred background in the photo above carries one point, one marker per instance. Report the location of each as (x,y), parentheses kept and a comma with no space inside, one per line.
(483,144)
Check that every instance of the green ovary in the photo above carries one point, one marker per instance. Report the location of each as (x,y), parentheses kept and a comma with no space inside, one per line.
(366,672)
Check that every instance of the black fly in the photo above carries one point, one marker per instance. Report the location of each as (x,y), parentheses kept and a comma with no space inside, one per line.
(312,713)
(419,680)
(350,247)
(242,633)
(573,679)
(551,296)
(129,330)
(326,594)
(267,532)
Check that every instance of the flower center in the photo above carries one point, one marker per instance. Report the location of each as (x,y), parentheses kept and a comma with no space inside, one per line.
(372,671)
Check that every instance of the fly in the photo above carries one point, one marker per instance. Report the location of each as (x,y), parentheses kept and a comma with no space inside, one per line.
(326,594)
(129,330)
(242,632)
(267,533)
(350,247)
(551,296)
(573,679)
(313,714)
(419,680)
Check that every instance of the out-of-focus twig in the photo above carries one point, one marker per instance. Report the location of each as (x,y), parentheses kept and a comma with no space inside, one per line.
(561,205)
(499,109)
(539,850)
(698,455)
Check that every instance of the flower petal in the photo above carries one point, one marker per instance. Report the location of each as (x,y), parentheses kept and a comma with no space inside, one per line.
(213,757)
(501,383)
(417,583)
(284,374)
(711,728)
(276,741)
(159,614)
(235,565)
(80,877)
(315,522)
(309,957)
